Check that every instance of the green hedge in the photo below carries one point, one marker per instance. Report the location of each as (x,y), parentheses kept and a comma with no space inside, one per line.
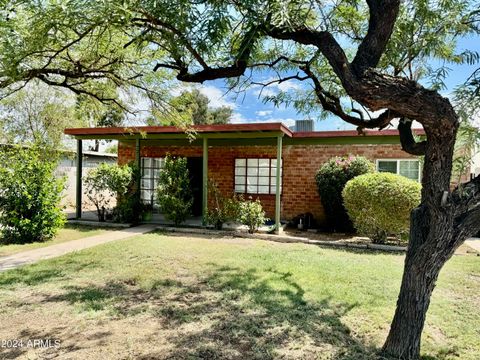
(30,195)
(331,179)
(379,204)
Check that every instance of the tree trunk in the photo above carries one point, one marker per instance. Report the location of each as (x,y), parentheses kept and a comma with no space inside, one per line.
(431,245)
(419,278)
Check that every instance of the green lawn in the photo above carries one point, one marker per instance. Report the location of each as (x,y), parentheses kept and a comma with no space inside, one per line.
(161,296)
(69,232)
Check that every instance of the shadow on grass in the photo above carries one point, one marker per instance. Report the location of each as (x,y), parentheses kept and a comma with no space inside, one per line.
(51,345)
(36,275)
(230,313)
(261,316)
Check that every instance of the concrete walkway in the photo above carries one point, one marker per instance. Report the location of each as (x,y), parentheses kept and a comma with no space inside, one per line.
(31,256)
(474,243)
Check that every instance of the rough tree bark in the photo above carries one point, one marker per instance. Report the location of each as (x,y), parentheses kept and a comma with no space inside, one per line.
(430,246)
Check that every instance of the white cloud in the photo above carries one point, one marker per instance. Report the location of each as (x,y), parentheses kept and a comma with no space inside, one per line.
(288,85)
(263,113)
(285,121)
(265,91)
(215,95)
(238,118)
(275,88)
(394,124)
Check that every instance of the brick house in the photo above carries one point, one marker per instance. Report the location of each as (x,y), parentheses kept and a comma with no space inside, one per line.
(242,158)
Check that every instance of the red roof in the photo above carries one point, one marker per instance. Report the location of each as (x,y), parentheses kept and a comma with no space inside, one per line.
(228,128)
(341,133)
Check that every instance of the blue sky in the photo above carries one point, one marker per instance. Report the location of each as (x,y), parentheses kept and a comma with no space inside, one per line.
(250,108)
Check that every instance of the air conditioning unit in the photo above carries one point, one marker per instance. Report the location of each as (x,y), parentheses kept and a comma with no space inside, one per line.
(303,125)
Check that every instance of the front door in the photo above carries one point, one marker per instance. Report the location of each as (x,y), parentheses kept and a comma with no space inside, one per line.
(195,169)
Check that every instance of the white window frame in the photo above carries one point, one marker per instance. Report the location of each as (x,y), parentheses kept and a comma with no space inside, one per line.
(153,181)
(271,177)
(398,165)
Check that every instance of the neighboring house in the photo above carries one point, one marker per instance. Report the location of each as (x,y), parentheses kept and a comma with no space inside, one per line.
(242,158)
(67,167)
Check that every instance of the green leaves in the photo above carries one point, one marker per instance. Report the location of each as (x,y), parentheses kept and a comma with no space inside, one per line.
(251,213)
(105,182)
(331,179)
(174,193)
(29,195)
(379,204)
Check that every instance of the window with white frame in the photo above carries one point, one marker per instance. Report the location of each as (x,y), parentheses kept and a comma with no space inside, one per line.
(409,168)
(256,176)
(151,168)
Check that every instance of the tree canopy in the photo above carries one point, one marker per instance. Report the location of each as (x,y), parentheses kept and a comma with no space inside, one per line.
(37,114)
(193,107)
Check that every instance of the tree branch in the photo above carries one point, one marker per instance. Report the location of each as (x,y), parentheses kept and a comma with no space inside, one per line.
(407,140)
(323,40)
(383,14)
(332,104)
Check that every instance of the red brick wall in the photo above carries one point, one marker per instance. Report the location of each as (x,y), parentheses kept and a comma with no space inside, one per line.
(300,163)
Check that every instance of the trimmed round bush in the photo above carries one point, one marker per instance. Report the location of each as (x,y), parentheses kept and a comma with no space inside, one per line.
(331,179)
(379,204)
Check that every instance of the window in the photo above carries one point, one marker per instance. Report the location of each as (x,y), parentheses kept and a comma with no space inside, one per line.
(256,176)
(407,168)
(151,168)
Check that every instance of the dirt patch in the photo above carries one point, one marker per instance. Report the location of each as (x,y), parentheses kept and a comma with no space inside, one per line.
(225,315)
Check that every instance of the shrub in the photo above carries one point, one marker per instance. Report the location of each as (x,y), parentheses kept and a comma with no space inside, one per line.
(130,208)
(380,204)
(29,195)
(251,213)
(106,182)
(174,193)
(221,209)
(331,179)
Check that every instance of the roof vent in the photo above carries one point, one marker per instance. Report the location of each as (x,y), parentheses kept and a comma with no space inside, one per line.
(303,125)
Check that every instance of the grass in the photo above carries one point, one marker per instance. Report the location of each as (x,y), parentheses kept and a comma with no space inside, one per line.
(67,233)
(161,296)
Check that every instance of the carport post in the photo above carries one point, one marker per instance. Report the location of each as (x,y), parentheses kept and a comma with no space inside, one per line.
(139,170)
(78,200)
(205,182)
(277,183)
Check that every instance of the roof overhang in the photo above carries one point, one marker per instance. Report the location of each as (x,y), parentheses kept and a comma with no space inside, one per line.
(226,132)
(252,130)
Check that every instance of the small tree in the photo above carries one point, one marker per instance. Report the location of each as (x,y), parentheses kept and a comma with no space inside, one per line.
(174,193)
(380,204)
(221,209)
(106,182)
(29,195)
(251,213)
(331,179)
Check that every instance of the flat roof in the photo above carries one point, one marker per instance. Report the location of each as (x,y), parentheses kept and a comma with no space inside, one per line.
(220,128)
(252,129)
